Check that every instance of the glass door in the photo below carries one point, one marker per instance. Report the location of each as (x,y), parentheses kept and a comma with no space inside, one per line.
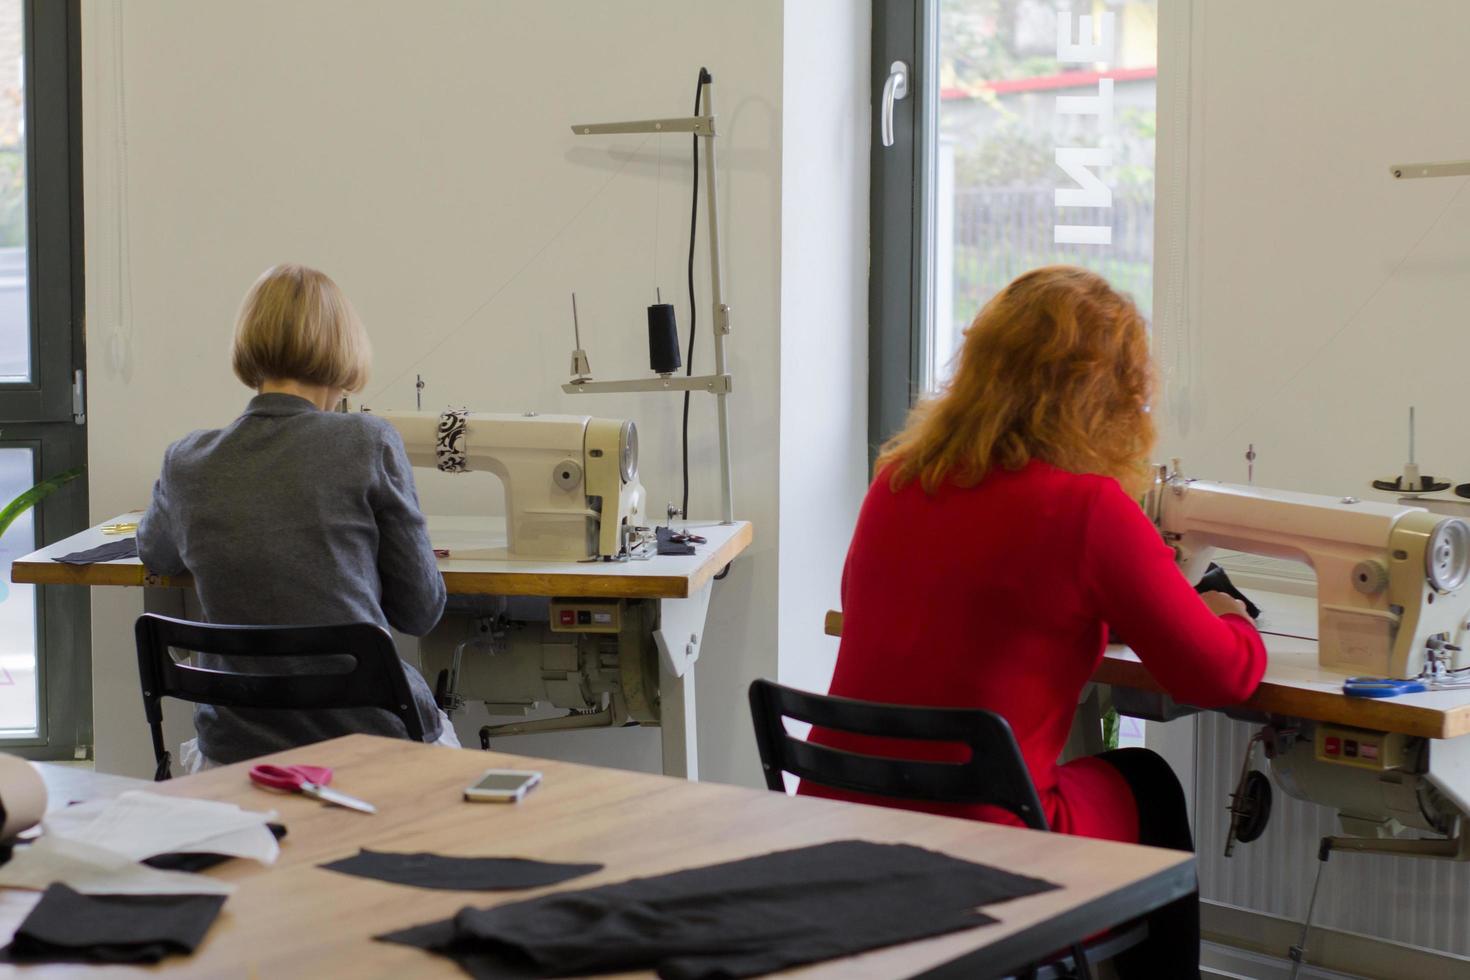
(45,662)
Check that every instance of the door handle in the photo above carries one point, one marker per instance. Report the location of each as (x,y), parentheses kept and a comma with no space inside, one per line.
(896,88)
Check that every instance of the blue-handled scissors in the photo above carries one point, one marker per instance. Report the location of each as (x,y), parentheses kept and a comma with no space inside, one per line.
(1380,687)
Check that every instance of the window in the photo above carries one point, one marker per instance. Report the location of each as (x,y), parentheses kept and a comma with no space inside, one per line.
(1044,152)
(15,333)
(45,660)
(1026,138)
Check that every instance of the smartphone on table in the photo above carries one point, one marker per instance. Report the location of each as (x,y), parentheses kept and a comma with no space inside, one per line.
(502,786)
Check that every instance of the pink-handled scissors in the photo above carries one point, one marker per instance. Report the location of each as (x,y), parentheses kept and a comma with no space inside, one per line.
(308,780)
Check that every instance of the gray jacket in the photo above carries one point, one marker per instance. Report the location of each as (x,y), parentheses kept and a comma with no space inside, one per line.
(292,516)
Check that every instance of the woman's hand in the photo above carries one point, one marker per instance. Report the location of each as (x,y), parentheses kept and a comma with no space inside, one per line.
(1222,604)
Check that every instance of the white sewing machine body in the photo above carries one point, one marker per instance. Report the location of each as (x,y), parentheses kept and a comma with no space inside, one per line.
(571,481)
(1393,581)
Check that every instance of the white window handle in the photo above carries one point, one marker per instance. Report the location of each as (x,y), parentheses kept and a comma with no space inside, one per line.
(894,89)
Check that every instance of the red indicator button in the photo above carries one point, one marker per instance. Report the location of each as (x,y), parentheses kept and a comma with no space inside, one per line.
(1332,745)
(569,617)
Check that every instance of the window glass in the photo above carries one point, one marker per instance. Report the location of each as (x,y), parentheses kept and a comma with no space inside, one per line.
(15,320)
(1046,151)
(18,687)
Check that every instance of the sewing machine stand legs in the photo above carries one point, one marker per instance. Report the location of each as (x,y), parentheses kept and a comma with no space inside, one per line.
(678,639)
(604,663)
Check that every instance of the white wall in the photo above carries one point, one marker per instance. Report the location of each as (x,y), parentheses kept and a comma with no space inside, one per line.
(824,330)
(1324,296)
(1321,298)
(421,153)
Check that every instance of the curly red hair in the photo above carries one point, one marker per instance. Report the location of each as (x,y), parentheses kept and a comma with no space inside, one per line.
(1056,367)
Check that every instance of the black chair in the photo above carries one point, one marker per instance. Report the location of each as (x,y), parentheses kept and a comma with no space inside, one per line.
(375,678)
(994,775)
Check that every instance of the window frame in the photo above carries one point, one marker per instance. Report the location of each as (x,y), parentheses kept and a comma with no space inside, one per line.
(48,413)
(900,259)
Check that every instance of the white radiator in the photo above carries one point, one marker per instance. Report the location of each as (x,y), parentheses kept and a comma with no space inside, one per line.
(1408,900)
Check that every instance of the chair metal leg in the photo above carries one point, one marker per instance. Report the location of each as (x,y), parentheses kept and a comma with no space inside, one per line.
(1079,958)
(164,770)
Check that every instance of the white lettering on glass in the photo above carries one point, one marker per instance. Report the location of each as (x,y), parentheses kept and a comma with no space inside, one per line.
(1077,161)
(1086,49)
(1099,105)
(1092,192)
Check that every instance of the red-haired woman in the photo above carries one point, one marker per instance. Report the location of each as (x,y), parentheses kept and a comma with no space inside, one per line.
(1000,540)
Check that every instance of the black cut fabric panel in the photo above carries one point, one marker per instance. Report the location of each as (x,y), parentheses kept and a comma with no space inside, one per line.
(469,874)
(738,919)
(111,551)
(196,861)
(68,927)
(668,546)
(1215,580)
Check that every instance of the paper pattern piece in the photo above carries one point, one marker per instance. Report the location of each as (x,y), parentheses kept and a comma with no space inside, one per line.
(94,870)
(139,825)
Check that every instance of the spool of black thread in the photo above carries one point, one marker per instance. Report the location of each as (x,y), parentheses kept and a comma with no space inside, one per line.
(663,339)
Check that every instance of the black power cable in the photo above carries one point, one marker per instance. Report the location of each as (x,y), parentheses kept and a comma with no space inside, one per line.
(704,79)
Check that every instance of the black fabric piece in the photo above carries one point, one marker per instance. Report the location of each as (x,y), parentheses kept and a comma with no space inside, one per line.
(468,874)
(1215,580)
(111,551)
(68,927)
(739,919)
(1172,946)
(196,861)
(668,546)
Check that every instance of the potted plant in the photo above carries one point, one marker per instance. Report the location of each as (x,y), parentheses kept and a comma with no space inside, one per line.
(25,502)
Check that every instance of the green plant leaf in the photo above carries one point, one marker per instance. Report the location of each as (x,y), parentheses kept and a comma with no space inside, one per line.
(35,495)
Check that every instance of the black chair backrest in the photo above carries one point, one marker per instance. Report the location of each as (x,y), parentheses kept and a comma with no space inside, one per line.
(995,774)
(375,678)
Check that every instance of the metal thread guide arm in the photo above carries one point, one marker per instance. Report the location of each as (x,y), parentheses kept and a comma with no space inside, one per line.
(718,384)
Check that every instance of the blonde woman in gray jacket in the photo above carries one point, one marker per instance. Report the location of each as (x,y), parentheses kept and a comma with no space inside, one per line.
(296,515)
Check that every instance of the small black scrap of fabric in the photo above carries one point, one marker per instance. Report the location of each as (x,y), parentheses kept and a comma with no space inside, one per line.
(111,551)
(468,874)
(739,919)
(196,861)
(1215,580)
(668,546)
(69,927)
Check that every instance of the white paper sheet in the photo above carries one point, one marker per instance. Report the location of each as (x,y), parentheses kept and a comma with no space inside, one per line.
(140,825)
(96,871)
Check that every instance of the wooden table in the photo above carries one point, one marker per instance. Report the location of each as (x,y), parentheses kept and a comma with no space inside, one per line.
(295,919)
(660,577)
(679,585)
(1295,685)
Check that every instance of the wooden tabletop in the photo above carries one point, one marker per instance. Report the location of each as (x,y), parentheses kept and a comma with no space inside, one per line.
(659,577)
(1295,685)
(295,919)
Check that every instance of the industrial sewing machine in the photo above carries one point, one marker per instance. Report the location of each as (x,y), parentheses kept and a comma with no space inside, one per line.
(1392,596)
(571,482)
(1393,601)
(572,495)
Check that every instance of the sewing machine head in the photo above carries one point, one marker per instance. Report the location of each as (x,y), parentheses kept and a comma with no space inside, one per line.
(571,482)
(1393,581)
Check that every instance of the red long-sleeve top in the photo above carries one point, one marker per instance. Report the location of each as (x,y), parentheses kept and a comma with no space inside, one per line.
(999,596)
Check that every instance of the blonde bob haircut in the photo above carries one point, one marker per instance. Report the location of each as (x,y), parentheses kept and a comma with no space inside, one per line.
(1056,367)
(296,325)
